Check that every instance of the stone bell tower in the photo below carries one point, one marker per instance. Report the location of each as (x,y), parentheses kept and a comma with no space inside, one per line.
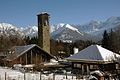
(44,31)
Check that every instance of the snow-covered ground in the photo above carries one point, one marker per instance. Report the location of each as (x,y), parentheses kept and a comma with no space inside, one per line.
(10,74)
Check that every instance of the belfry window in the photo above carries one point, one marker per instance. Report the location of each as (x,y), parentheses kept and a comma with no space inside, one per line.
(45,23)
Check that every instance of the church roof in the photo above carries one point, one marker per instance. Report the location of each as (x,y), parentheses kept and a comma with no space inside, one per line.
(19,50)
(94,53)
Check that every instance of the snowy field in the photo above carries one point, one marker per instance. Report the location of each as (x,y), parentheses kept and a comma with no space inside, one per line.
(10,74)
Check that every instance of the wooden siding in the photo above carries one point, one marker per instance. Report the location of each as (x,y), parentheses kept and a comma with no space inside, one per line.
(33,56)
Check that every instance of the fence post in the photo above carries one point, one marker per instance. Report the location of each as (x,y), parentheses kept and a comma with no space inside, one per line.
(40,75)
(76,75)
(66,74)
(53,76)
(72,76)
(24,76)
(18,77)
(5,76)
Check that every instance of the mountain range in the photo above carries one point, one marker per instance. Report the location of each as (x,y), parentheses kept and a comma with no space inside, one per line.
(10,30)
(92,30)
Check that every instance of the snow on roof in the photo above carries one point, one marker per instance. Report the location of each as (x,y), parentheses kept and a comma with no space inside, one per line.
(94,53)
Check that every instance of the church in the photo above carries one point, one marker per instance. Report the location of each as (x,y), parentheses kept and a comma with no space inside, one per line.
(32,54)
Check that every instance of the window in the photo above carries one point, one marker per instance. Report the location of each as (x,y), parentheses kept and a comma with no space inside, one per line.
(77,65)
(93,67)
(45,23)
(117,66)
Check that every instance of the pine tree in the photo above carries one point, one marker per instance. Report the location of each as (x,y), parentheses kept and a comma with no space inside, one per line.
(112,41)
(117,40)
(105,40)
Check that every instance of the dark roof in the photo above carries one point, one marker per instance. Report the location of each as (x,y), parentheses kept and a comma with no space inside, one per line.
(19,50)
(43,13)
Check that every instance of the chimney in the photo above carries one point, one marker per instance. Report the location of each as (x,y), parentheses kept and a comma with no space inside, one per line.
(76,50)
(44,31)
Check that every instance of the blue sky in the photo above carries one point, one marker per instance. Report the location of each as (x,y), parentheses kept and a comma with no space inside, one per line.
(23,12)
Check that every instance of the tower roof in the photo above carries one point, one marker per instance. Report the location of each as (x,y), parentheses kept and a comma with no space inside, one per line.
(42,13)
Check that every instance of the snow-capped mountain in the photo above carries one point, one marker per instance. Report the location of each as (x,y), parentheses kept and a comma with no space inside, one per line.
(56,27)
(110,23)
(90,31)
(89,27)
(7,29)
(67,32)
(60,27)
(30,31)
